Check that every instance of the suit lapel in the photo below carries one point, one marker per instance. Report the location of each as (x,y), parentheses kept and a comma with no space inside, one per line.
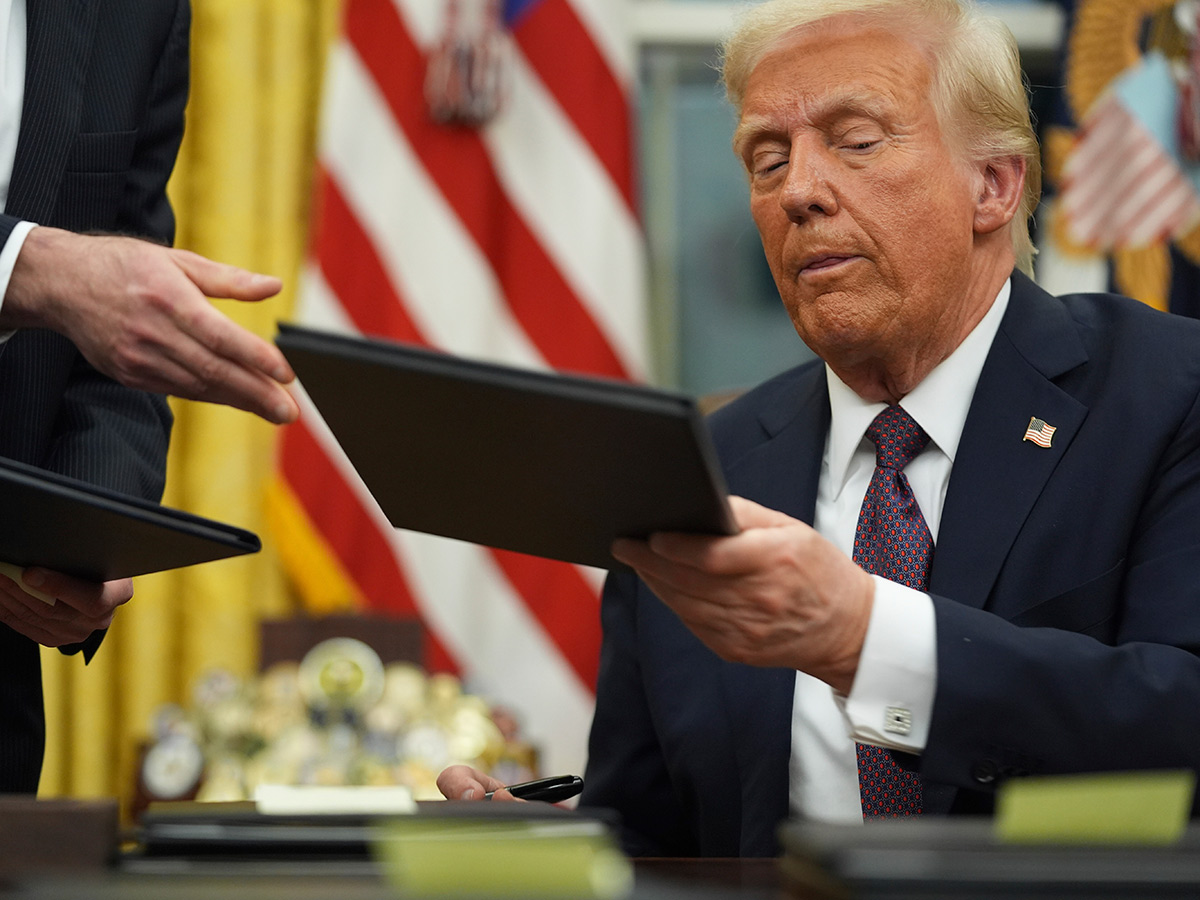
(58,42)
(781,472)
(997,475)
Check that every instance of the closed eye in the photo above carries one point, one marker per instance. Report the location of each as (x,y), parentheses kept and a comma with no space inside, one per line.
(766,163)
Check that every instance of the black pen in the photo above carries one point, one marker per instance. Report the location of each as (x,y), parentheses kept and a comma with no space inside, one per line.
(551,790)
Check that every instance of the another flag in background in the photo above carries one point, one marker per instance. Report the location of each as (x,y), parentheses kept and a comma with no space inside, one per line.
(1122,162)
(1127,184)
(476,195)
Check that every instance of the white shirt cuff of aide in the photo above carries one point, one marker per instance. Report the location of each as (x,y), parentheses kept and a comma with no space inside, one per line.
(8,262)
(891,702)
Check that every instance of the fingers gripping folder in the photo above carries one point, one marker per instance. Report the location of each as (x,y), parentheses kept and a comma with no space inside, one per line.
(17,574)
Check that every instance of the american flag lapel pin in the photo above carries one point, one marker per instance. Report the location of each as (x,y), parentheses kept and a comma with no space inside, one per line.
(1039,432)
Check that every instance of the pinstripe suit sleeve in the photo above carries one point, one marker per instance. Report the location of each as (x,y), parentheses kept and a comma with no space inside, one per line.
(7,224)
(105,433)
(145,209)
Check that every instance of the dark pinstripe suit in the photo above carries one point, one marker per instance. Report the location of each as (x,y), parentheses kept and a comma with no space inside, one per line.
(105,88)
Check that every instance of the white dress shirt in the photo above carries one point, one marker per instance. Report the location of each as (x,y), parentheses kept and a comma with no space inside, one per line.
(12,95)
(898,666)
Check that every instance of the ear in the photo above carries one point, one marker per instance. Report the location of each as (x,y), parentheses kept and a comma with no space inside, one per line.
(1002,186)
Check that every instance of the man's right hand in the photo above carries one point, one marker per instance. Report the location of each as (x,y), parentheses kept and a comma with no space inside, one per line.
(465,783)
(139,312)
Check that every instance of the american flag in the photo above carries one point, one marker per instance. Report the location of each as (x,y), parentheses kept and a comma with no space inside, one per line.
(1039,432)
(1124,184)
(476,194)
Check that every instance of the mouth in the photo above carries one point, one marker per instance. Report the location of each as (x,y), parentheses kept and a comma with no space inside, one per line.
(822,263)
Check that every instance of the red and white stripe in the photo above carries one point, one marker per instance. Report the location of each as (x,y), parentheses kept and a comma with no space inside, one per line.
(517,243)
(1121,189)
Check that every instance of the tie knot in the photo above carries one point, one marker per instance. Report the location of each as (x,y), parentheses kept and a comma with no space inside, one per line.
(897,438)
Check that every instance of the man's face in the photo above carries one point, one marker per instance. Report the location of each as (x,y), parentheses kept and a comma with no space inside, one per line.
(865,215)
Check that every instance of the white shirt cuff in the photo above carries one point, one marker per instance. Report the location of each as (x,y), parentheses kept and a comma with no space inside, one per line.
(8,262)
(891,702)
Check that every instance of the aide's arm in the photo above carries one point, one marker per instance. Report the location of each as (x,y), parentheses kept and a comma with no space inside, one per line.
(139,313)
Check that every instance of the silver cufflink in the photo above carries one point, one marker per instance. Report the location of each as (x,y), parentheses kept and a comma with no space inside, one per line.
(897,720)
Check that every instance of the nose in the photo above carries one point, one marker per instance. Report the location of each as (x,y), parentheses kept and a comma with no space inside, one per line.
(808,190)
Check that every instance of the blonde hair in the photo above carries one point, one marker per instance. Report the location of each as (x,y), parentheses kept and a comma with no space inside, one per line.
(978,89)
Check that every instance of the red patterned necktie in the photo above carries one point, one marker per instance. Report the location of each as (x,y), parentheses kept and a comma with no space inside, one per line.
(892,541)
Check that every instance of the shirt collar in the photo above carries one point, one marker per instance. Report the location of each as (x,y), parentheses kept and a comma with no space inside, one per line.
(939,404)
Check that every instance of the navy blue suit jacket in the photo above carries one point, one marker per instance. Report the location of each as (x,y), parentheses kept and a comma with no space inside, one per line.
(105,88)
(1065,582)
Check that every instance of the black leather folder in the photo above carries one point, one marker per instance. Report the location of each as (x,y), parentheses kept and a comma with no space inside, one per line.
(79,529)
(546,464)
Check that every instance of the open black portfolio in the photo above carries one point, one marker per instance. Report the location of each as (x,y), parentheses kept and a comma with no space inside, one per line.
(547,464)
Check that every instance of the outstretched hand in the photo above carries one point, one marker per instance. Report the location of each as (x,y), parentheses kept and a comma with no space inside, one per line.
(139,312)
(776,594)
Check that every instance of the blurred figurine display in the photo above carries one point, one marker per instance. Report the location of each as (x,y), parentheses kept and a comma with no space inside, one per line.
(338,717)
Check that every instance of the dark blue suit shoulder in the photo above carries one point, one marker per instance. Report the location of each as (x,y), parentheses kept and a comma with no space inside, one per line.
(1122,318)
(1124,336)
(745,422)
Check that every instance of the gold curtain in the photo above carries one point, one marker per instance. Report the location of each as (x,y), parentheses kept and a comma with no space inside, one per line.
(241,192)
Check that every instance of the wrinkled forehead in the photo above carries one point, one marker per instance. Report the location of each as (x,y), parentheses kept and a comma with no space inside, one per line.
(896,35)
(757,40)
(830,68)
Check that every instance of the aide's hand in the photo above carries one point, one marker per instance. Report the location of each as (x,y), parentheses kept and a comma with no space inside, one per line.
(777,594)
(465,783)
(81,608)
(139,312)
